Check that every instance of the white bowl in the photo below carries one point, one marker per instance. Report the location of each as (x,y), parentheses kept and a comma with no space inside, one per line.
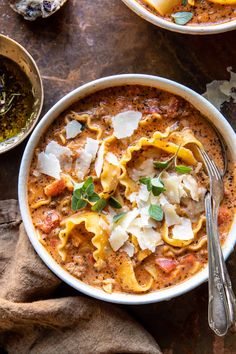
(188,29)
(206,108)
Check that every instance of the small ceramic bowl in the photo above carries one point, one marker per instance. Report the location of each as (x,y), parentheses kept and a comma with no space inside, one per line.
(199,102)
(14,51)
(187,29)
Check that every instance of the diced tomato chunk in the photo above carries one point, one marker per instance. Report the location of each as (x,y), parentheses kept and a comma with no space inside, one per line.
(53,242)
(51,220)
(166,264)
(188,259)
(55,188)
(224,215)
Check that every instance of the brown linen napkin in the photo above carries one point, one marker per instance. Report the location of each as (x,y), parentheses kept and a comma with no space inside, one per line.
(33,320)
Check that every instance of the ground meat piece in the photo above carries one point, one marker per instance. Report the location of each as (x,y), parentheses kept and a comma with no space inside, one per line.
(50,221)
(171,110)
(55,188)
(224,215)
(76,268)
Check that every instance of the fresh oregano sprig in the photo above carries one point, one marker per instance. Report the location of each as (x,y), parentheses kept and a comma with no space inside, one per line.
(83,194)
(154,185)
(164,165)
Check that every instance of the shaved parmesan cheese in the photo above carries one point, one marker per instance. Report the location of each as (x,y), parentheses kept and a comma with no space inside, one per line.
(73,128)
(147,237)
(128,218)
(144,217)
(111,213)
(143,193)
(140,197)
(145,169)
(118,237)
(49,165)
(162,200)
(112,159)
(63,154)
(145,220)
(129,248)
(99,161)
(171,217)
(125,123)
(58,150)
(191,185)
(91,147)
(82,164)
(183,231)
(220,91)
(174,189)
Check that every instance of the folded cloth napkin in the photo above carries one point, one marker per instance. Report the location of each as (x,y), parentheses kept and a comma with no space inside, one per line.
(34,320)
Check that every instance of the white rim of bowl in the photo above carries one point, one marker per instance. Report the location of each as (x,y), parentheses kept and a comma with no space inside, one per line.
(197,101)
(195,29)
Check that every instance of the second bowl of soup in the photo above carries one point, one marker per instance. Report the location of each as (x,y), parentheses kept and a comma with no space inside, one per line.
(190,16)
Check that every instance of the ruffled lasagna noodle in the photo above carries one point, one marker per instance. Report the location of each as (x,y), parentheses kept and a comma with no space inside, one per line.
(116,190)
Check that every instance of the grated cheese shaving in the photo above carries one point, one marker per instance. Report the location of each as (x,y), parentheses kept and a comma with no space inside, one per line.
(118,237)
(112,159)
(49,165)
(82,164)
(147,237)
(73,128)
(91,147)
(129,248)
(63,154)
(125,123)
(183,231)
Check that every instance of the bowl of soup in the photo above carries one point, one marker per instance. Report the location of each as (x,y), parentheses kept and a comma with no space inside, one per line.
(111,188)
(190,16)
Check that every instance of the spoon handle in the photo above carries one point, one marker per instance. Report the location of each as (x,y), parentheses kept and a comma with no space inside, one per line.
(231,300)
(218,311)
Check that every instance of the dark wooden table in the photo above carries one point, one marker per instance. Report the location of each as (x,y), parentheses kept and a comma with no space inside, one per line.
(90,39)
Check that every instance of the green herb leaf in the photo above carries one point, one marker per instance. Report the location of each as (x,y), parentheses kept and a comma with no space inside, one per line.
(161,164)
(182,18)
(81,203)
(90,189)
(155,212)
(114,203)
(93,198)
(157,186)
(147,182)
(183,169)
(99,205)
(77,193)
(74,203)
(184,2)
(87,183)
(78,185)
(117,217)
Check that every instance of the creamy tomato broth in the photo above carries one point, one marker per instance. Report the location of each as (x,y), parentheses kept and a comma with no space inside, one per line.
(116,189)
(194,12)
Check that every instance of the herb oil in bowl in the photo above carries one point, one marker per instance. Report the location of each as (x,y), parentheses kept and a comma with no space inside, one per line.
(16,99)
